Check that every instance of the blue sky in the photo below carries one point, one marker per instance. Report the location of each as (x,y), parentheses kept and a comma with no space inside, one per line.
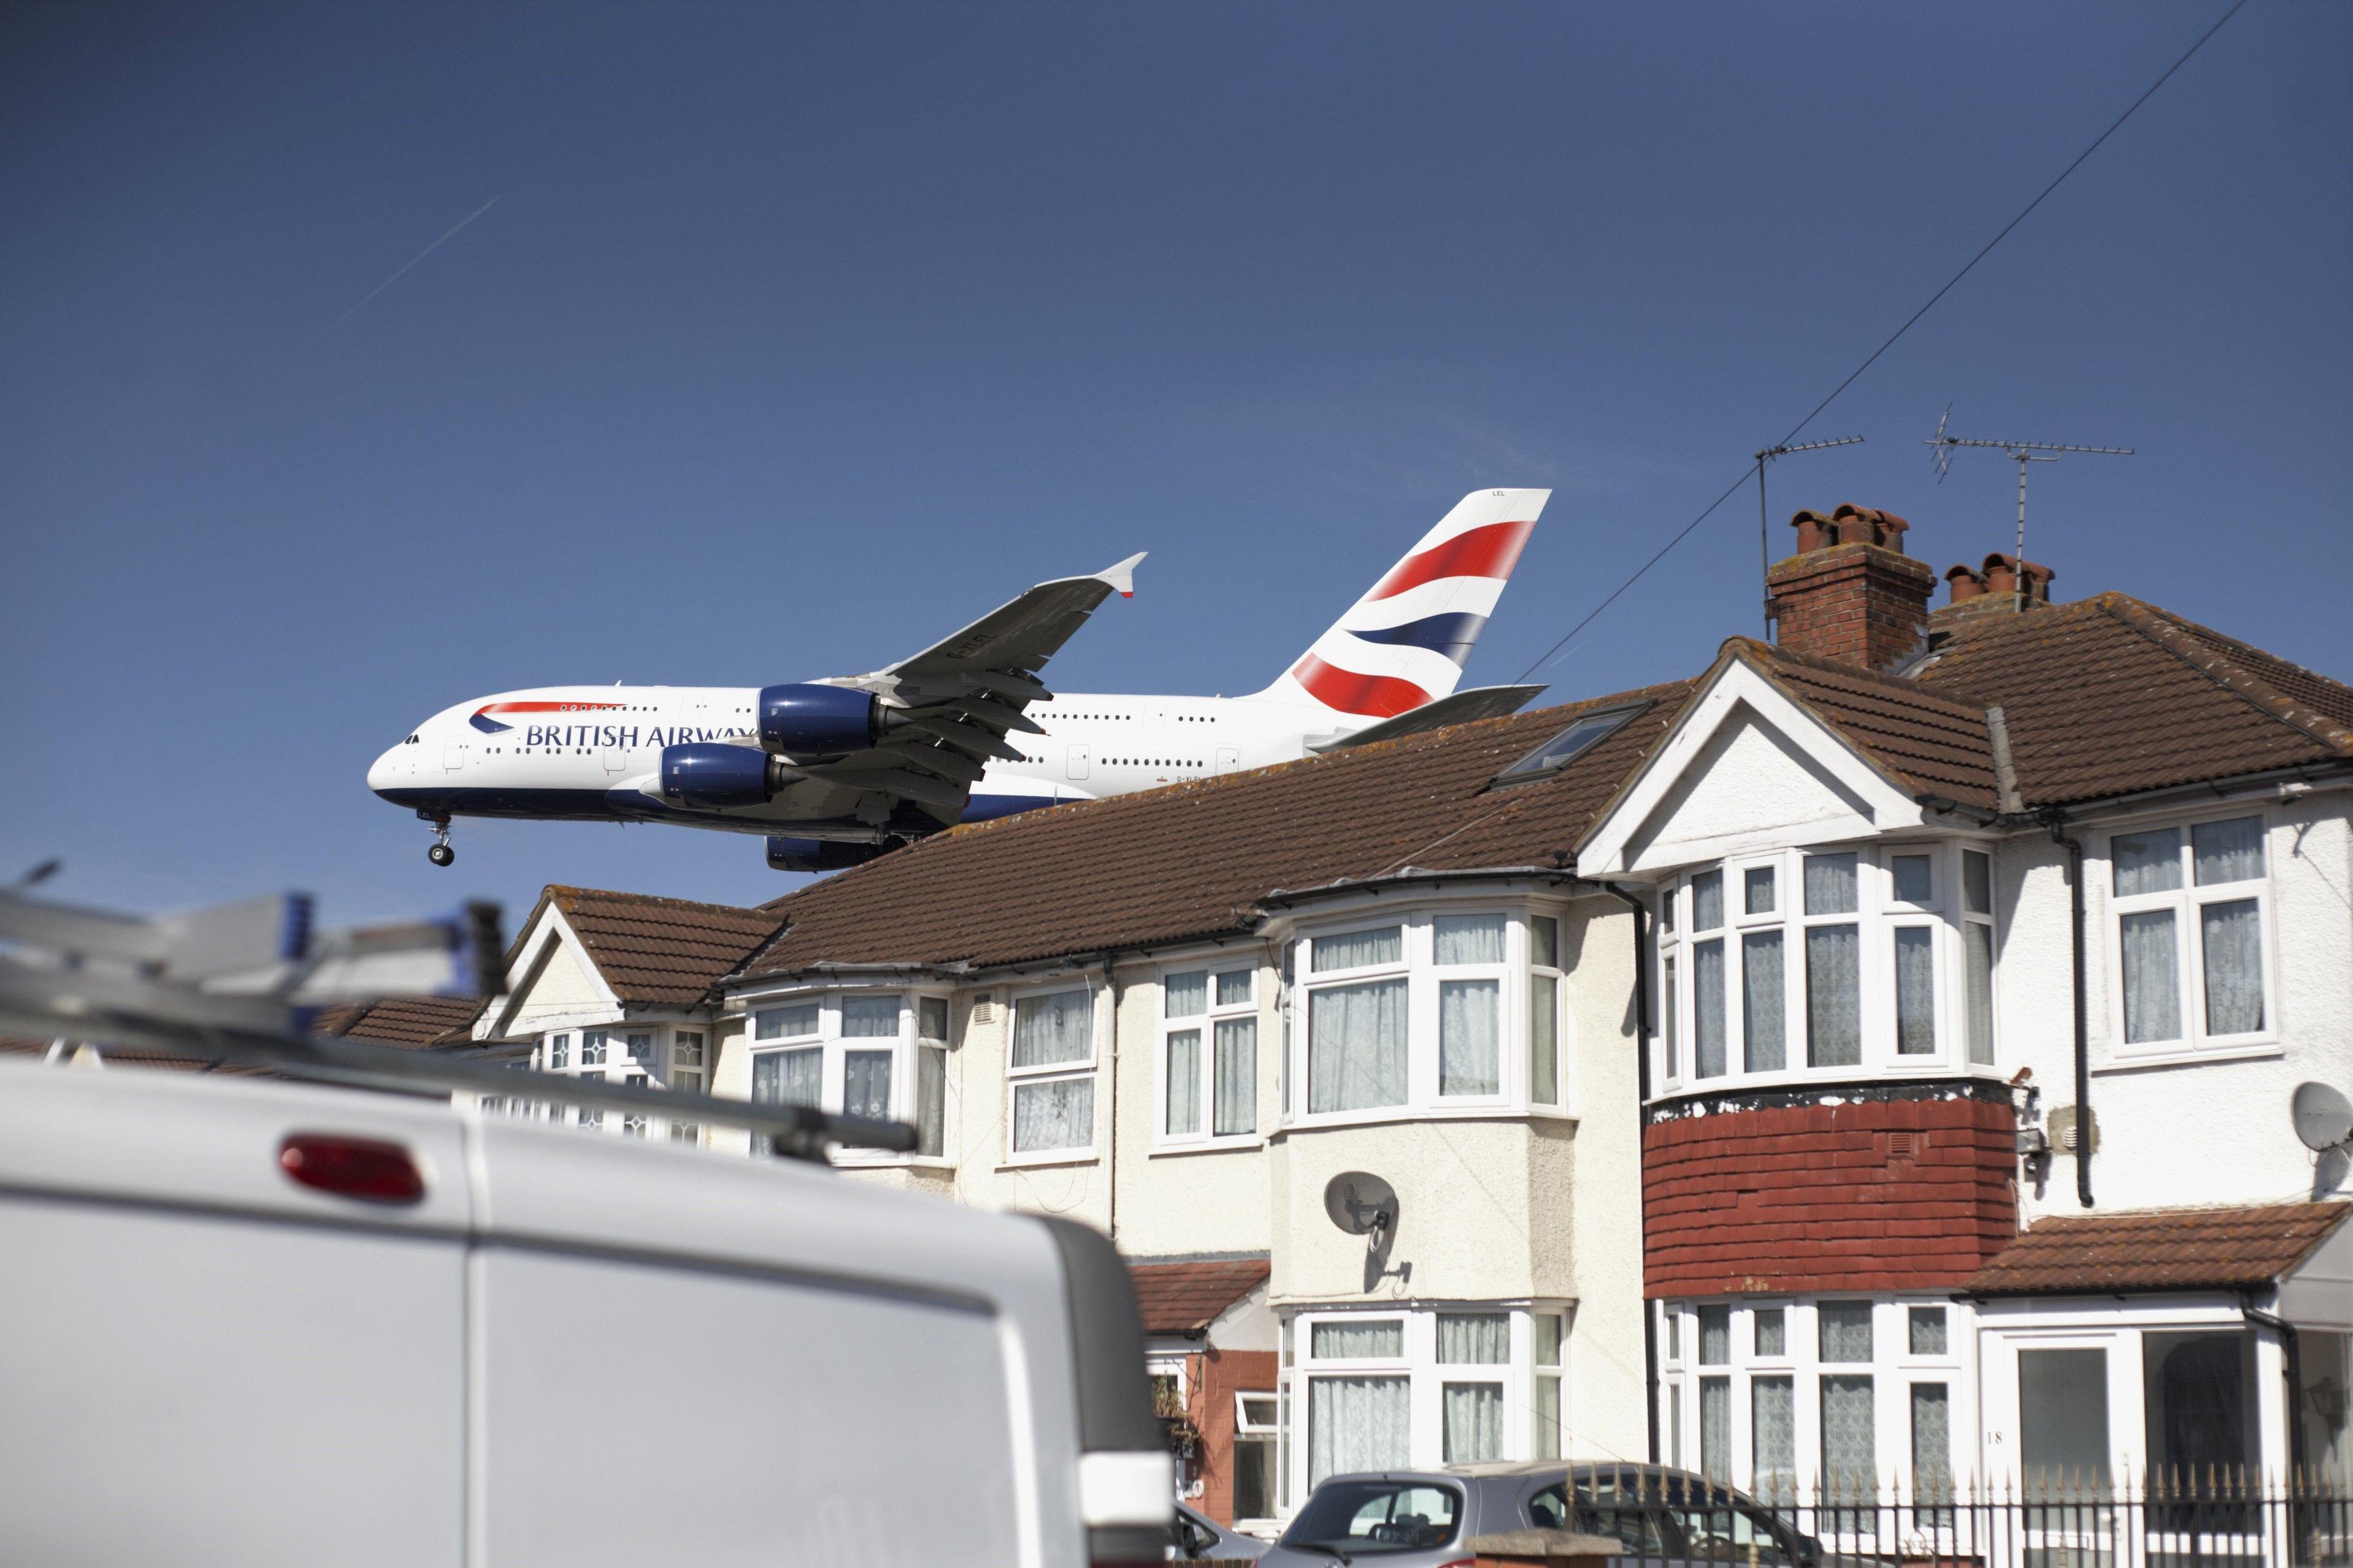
(799,334)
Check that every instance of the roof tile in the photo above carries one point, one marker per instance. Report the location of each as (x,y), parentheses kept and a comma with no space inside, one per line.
(1185,1298)
(2164,1249)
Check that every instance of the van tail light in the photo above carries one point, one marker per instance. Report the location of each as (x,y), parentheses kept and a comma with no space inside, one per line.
(368,1169)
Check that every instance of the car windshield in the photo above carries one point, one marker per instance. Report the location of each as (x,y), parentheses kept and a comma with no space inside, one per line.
(1362,1517)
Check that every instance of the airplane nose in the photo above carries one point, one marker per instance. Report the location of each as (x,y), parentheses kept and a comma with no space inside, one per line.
(386,771)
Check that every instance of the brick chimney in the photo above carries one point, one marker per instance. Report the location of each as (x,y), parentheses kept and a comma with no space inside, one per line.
(1849,592)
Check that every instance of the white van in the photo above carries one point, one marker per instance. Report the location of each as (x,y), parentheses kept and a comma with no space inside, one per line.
(257,1323)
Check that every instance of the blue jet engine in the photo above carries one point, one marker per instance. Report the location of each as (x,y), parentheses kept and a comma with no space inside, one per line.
(712,774)
(820,854)
(808,720)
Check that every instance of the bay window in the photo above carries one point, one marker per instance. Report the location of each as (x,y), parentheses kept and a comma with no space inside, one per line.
(876,1054)
(1389,1390)
(1829,961)
(2188,909)
(1050,1069)
(1208,1049)
(1439,1011)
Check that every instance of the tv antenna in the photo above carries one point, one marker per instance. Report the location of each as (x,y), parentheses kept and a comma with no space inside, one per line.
(1764,521)
(2021,453)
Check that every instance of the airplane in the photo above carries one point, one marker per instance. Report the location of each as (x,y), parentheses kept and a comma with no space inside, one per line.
(836,771)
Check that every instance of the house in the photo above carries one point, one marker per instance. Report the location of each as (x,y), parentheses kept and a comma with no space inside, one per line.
(1725,1043)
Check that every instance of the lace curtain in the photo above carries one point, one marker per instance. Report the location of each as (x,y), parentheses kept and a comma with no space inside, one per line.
(870,1017)
(1707,1007)
(1833,996)
(2152,977)
(1932,1442)
(1716,1428)
(1474,1339)
(1915,990)
(2232,937)
(1357,1424)
(1185,1081)
(1236,1072)
(1544,1040)
(1473,1421)
(2146,862)
(787,1077)
(1830,884)
(1707,900)
(1469,938)
(866,1084)
(1382,1337)
(1845,1331)
(1056,1028)
(1355,949)
(1773,1436)
(1976,947)
(1470,1059)
(1356,1046)
(1849,1446)
(1057,1114)
(1185,995)
(1764,1013)
(2229,851)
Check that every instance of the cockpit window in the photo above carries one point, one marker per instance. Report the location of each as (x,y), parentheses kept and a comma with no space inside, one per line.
(410,741)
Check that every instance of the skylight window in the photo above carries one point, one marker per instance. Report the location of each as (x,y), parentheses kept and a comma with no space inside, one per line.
(1588,732)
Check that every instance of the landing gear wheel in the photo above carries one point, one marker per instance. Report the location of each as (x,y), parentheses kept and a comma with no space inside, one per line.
(441,855)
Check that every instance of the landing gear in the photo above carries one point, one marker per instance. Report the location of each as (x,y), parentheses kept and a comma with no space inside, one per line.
(440,854)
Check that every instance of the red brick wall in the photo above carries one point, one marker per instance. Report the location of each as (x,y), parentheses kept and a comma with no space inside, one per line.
(1213,1378)
(1859,604)
(1897,1194)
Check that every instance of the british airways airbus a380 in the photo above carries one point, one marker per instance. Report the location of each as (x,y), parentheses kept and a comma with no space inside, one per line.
(837,771)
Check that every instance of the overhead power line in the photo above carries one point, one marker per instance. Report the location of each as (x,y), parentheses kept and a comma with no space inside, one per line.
(1909,322)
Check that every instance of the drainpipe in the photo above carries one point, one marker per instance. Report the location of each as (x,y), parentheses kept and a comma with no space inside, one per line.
(2055,821)
(1111,1100)
(2292,1349)
(1642,1074)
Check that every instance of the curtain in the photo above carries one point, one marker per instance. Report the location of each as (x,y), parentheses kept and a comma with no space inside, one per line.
(1707,1008)
(1833,996)
(2146,862)
(2232,935)
(2062,1415)
(1772,1330)
(1056,1028)
(1186,995)
(1927,1330)
(870,1017)
(1830,884)
(1474,1422)
(1185,1081)
(1707,900)
(1669,1034)
(1544,1040)
(1057,1114)
(1977,949)
(1977,882)
(1469,938)
(931,1101)
(1845,1331)
(1757,890)
(787,1077)
(1237,1077)
(2229,851)
(1914,876)
(1547,1391)
(1469,1057)
(1932,1442)
(1358,1424)
(1474,1339)
(1234,986)
(1850,1444)
(1355,949)
(1543,943)
(1773,1436)
(866,1084)
(1716,1428)
(1715,1336)
(2152,981)
(785,1022)
(1356,1046)
(1763,1008)
(1915,990)
(1373,1341)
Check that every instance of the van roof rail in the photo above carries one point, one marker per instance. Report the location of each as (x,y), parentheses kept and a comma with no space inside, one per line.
(235,984)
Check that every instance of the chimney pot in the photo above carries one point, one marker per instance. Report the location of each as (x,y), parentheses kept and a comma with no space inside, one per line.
(2038,582)
(2000,574)
(1967,582)
(1854,526)
(1813,530)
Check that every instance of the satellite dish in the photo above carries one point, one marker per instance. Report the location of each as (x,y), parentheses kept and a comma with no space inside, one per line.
(1361,1204)
(2323,1118)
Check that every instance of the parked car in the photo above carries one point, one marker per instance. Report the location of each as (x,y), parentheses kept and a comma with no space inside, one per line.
(1201,1539)
(1422,1519)
(265,1323)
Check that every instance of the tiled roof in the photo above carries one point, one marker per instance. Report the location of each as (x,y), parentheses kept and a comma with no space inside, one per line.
(2164,1249)
(1185,1298)
(1193,859)
(1933,741)
(664,952)
(122,1056)
(2110,696)
(398,1020)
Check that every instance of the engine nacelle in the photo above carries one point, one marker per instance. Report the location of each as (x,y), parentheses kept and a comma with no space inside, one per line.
(820,854)
(713,775)
(807,720)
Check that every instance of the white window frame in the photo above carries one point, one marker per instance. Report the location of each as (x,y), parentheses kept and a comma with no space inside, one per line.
(1267,1432)
(1417,965)
(1878,916)
(2190,960)
(1427,1376)
(1016,1078)
(833,1048)
(1205,1023)
(1893,1369)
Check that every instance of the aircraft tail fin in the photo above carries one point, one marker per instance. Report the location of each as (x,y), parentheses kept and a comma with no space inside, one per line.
(1405,642)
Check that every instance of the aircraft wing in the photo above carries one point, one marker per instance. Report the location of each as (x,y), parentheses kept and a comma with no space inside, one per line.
(1458,707)
(960,698)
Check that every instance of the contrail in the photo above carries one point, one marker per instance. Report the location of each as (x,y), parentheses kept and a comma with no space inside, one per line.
(411,261)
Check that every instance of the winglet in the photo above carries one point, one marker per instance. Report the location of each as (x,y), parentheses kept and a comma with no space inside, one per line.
(1122,577)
